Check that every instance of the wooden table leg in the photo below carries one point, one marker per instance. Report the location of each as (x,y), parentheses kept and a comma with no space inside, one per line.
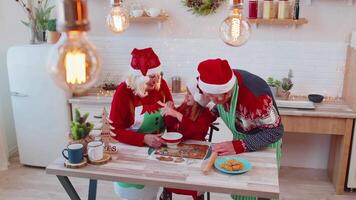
(68,187)
(338,157)
(92,189)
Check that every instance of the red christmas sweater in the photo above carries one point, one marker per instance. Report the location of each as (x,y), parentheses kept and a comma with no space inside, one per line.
(195,130)
(122,112)
(256,113)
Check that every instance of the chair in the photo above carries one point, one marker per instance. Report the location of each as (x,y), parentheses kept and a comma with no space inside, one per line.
(209,137)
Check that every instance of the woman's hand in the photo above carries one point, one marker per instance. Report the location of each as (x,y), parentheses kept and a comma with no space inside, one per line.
(154,141)
(168,111)
(224,148)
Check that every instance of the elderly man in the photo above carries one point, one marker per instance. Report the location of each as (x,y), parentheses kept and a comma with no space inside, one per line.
(246,105)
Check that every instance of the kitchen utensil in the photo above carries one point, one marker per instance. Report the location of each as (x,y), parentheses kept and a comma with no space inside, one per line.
(316,98)
(210,163)
(172,139)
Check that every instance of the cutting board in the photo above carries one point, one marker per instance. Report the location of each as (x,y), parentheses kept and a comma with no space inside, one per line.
(295,104)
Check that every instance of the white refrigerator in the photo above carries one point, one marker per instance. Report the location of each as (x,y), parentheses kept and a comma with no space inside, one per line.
(41,110)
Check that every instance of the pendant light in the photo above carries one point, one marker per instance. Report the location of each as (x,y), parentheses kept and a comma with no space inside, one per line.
(74,63)
(118,18)
(235,30)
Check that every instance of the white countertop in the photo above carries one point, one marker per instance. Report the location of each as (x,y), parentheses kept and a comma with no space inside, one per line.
(325,109)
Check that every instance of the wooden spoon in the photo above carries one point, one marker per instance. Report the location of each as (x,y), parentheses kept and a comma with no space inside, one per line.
(210,163)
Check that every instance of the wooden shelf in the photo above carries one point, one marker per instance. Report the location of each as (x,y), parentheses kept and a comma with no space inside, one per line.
(300,21)
(146,18)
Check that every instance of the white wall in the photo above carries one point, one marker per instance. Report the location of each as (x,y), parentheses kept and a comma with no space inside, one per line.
(12,32)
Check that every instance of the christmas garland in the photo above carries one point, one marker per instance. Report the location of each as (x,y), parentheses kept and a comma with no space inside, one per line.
(202,7)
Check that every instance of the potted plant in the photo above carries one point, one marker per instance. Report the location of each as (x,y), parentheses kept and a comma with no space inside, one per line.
(38,16)
(286,86)
(274,84)
(80,130)
(52,34)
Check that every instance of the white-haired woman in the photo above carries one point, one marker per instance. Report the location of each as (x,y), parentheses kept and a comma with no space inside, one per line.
(136,114)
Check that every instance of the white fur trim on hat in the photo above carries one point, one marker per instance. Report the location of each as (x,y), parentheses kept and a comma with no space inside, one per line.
(155,70)
(198,97)
(217,89)
(152,71)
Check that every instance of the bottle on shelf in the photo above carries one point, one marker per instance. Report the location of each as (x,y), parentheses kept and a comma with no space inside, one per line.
(252,9)
(283,9)
(296,10)
(268,9)
(260,9)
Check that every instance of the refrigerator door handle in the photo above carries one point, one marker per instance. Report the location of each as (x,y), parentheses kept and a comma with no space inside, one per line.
(18,94)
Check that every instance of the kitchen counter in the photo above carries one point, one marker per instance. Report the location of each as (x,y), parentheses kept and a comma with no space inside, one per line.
(328,109)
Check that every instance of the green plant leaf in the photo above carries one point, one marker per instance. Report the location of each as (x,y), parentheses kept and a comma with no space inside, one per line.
(77,115)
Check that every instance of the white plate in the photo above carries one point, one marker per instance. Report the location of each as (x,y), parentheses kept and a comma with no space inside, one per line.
(295,104)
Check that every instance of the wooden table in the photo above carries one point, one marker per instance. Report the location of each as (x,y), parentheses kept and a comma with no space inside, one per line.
(132,165)
(335,119)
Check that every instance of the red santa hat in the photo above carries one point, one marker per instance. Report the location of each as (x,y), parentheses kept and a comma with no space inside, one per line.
(215,76)
(192,86)
(145,62)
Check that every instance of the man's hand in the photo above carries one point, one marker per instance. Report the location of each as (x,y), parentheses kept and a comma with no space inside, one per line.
(154,141)
(224,148)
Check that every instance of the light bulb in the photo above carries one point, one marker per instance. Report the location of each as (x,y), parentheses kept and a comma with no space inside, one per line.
(118,18)
(235,30)
(75,65)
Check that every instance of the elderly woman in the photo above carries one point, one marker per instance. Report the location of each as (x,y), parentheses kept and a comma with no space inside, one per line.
(246,105)
(136,115)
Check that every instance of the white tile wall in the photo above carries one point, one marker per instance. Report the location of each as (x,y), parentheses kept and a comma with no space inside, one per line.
(317,66)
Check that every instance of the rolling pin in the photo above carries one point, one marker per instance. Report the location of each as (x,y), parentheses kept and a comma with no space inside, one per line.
(210,163)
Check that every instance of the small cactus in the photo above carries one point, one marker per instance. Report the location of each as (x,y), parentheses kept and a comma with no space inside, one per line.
(79,127)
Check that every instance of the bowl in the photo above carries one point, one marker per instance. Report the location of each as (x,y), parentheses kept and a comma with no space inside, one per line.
(136,13)
(172,139)
(316,98)
(153,12)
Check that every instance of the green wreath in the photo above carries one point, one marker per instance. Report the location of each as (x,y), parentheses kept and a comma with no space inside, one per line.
(202,7)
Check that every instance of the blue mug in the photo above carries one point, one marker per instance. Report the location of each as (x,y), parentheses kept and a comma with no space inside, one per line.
(74,153)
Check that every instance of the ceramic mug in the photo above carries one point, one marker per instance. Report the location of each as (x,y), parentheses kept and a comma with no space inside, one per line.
(95,150)
(153,12)
(74,153)
(137,13)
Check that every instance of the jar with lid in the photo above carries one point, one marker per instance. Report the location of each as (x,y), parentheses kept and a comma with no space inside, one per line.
(252,9)
(176,84)
(283,9)
(268,9)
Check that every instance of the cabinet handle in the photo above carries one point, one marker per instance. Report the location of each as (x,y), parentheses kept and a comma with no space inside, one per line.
(18,94)
(97,117)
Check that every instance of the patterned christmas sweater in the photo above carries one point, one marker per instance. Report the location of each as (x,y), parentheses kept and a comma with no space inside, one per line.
(124,105)
(257,115)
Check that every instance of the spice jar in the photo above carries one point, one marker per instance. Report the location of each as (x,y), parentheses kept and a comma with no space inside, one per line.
(176,84)
(283,9)
(260,9)
(252,9)
(268,9)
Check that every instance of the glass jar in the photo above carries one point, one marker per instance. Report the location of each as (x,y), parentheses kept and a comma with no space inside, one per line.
(283,9)
(268,9)
(176,84)
(252,9)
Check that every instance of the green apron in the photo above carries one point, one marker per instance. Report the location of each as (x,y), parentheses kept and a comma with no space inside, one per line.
(229,120)
(152,122)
